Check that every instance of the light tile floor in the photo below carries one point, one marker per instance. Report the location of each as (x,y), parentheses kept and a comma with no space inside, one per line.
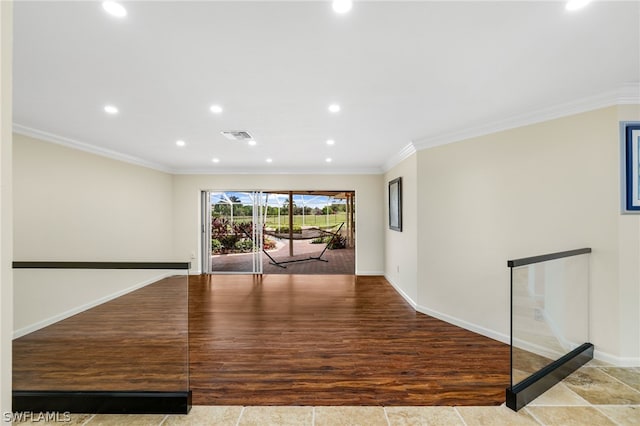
(594,395)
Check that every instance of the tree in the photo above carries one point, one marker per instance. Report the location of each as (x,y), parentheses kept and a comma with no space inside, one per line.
(285,205)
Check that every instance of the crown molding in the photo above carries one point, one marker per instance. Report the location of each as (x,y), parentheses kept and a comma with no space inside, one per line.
(628,94)
(625,95)
(406,152)
(92,149)
(280,171)
(81,146)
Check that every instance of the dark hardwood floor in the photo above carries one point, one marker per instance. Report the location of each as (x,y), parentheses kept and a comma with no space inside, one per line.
(271,340)
(331,340)
(137,342)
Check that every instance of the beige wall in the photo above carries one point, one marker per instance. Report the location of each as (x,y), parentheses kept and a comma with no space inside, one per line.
(538,189)
(629,269)
(6,225)
(369,196)
(72,205)
(401,248)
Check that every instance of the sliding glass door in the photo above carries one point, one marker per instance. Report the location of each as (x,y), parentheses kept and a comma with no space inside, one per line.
(232,231)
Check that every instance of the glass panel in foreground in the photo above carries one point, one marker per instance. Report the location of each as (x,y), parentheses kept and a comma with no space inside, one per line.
(550,303)
(100,330)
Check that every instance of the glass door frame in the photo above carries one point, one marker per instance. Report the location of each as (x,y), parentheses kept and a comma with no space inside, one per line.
(256,234)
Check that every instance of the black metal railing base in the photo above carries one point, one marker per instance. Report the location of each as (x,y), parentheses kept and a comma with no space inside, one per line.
(102,402)
(539,382)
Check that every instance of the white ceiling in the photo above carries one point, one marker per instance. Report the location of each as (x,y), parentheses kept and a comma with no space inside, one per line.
(402,72)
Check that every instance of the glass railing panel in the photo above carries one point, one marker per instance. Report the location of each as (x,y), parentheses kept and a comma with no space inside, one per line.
(550,304)
(101,330)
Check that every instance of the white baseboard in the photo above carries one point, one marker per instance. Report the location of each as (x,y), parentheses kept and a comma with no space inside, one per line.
(566,344)
(71,312)
(370,273)
(538,350)
(402,293)
(492,334)
(504,338)
(616,360)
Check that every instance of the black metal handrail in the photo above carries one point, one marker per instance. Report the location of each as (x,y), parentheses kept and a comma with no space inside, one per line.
(100,265)
(546,257)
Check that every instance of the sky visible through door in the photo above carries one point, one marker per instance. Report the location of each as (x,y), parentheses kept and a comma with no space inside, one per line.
(322,221)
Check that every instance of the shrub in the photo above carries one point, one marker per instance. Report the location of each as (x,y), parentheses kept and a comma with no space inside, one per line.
(229,241)
(244,246)
(219,227)
(339,242)
(268,244)
(216,245)
(320,240)
(285,230)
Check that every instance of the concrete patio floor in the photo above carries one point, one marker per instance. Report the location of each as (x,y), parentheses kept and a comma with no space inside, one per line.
(339,261)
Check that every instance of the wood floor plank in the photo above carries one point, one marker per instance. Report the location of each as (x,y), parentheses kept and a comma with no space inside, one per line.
(271,340)
(332,340)
(137,342)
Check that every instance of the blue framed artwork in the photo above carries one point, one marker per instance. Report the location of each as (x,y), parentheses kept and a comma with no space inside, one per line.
(631,149)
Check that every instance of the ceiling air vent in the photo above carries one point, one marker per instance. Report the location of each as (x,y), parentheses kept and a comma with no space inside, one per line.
(237,135)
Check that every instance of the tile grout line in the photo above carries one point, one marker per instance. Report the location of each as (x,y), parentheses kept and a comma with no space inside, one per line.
(533,416)
(164,420)
(89,419)
(606,415)
(240,416)
(384,410)
(460,416)
(616,405)
(620,381)
(567,389)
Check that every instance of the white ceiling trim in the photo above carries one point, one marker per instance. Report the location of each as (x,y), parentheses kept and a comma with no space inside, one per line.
(92,149)
(629,94)
(280,171)
(625,95)
(396,159)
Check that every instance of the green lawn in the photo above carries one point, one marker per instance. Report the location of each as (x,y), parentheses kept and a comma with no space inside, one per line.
(309,220)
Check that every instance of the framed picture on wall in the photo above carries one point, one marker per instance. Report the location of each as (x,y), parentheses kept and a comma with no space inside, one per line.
(631,166)
(395,204)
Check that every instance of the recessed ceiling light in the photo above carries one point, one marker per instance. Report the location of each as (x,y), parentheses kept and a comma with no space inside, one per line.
(252,142)
(342,6)
(328,160)
(216,109)
(269,160)
(576,4)
(331,142)
(215,160)
(334,108)
(180,143)
(110,109)
(115,9)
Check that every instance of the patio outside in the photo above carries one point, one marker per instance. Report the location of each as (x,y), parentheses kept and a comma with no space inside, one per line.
(302,232)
